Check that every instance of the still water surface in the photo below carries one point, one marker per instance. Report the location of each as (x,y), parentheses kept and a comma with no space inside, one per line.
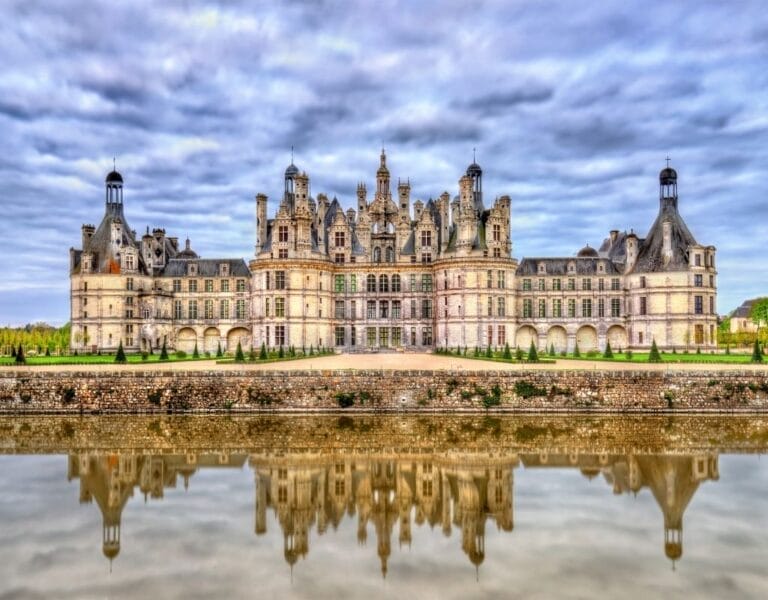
(380,507)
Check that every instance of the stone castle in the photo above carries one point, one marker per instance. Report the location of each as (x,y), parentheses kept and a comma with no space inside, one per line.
(391,274)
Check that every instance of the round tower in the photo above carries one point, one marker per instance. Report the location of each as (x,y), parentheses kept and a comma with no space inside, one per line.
(114,188)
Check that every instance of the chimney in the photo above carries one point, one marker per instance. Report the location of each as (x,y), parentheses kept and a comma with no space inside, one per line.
(88,231)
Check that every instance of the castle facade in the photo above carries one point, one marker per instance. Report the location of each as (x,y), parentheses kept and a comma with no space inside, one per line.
(391,274)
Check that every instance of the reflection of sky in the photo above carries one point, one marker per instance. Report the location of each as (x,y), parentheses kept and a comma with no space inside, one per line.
(572,538)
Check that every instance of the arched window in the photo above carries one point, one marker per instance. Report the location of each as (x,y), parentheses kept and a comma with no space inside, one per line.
(395,282)
(383,283)
(371,283)
(377,255)
(390,255)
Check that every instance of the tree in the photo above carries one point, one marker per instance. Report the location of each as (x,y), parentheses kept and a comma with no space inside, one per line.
(576,353)
(488,353)
(507,352)
(13,351)
(239,357)
(47,351)
(533,356)
(219,353)
(654,356)
(552,349)
(120,357)
(608,352)
(195,353)
(759,313)
(263,352)
(164,351)
(20,359)
(280,353)
(757,355)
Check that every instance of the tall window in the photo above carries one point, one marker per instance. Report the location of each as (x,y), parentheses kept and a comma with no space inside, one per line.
(556,285)
(497,233)
(490,306)
(426,308)
(371,309)
(586,284)
(526,285)
(643,305)
(209,285)
(426,239)
(338,258)
(502,306)
(390,255)
(224,309)
(193,285)
(384,309)
(377,255)
(615,307)
(571,308)
(282,253)
(502,335)
(282,233)
(698,305)
(395,309)
(615,284)
(177,285)
(353,310)
(426,282)
(571,284)
(338,283)
(240,309)
(225,285)
(601,307)
(383,283)
(279,335)
(340,336)
(557,307)
(527,308)
(208,309)
(426,257)
(241,285)
(426,336)
(395,282)
(542,285)
(339,239)
(489,279)
(601,284)
(642,281)
(542,308)
(371,283)
(279,281)
(370,335)
(397,338)
(353,283)
(279,307)
(500,280)
(698,280)
(178,311)
(193,309)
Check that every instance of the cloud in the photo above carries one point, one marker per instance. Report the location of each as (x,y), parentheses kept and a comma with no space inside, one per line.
(200,104)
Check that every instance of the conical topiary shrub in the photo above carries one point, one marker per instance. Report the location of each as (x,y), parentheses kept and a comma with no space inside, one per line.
(507,352)
(757,355)
(654,356)
(552,349)
(533,355)
(195,353)
(20,358)
(120,357)
(219,353)
(608,352)
(576,352)
(239,357)
(263,352)
(164,351)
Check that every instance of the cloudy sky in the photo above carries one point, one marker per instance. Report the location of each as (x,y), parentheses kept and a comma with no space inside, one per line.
(572,108)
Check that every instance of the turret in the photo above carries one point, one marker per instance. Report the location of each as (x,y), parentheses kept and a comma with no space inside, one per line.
(322,209)
(632,250)
(382,177)
(362,203)
(443,206)
(475,173)
(668,186)
(404,197)
(301,191)
(666,247)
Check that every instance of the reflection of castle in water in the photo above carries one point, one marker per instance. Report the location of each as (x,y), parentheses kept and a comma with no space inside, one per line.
(454,490)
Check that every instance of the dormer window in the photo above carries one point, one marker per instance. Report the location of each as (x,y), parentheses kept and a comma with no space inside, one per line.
(224,270)
(192,269)
(282,233)
(542,268)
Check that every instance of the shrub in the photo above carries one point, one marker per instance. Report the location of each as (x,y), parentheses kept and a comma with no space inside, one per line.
(311,350)
(252,355)
(239,357)
(576,353)
(533,355)
(120,356)
(552,349)
(181,354)
(345,399)
(592,353)
(263,352)
(757,355)
(727,349)
(488,353)
(47,351)
(698,350)
(20,359)
(280,353)
(507,354)
(195,353)
(608,352)
(519,354)
(219,353)
(164,352)
(145,356)
(13,351)
(525,389)
(628,354)
(654,356)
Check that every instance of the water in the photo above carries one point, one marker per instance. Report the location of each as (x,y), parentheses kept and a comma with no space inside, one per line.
(379,507)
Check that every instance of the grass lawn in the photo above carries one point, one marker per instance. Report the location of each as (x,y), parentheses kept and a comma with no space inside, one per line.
(94,359)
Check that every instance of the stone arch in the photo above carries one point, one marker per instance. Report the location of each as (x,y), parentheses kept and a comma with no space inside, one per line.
(557,337)
(238,334)
(211,338)
(524,336)
(617,336)
(586,338)
(186,338)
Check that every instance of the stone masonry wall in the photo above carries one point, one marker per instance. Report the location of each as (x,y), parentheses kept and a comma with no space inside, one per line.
(377,390)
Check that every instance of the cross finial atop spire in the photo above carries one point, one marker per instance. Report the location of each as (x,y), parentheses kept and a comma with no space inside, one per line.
(474,153)
(114,167)
(667,159)
(291,153)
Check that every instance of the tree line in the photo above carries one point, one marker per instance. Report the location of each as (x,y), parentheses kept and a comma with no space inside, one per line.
(35,338)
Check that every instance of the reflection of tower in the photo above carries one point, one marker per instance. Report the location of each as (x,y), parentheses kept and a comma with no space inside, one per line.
(384,512)
(470,518)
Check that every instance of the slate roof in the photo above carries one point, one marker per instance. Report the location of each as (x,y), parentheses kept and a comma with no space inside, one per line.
(529,267)
(745,310)
(650,259)
(206,267)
